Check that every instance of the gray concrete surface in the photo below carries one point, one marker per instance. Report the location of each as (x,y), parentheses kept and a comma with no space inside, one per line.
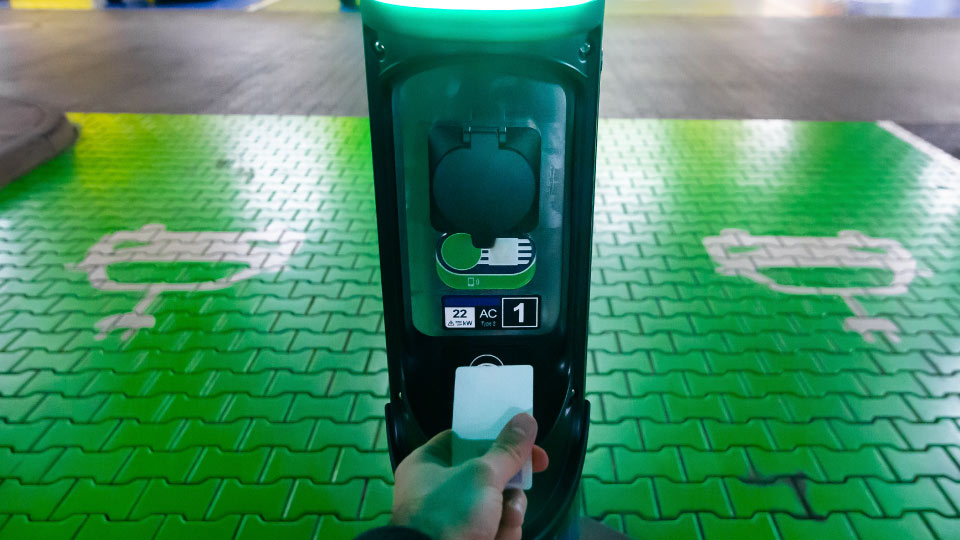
(30,135)
(944,136)
(174,61)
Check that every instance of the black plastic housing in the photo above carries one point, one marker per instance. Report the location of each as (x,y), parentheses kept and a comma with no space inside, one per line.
(422,367)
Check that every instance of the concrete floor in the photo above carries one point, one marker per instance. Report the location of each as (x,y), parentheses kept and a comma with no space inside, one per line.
(310,63)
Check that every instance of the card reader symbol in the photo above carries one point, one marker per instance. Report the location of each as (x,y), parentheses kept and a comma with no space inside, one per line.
(508,264)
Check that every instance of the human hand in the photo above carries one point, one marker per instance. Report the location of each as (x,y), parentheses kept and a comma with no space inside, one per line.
(467,501)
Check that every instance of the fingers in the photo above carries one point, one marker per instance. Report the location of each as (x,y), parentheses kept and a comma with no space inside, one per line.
(540,459)
(511,519)
(511,449)
(436,450)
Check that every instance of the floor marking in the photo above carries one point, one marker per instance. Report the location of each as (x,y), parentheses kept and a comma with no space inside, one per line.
(787,9)
(261,252)
(260,5)
(937,154)
(738,253)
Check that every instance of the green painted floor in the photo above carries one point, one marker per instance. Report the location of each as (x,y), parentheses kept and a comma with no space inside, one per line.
(191,334)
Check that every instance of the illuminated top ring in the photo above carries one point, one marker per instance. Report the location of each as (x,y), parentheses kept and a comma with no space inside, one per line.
(485,5)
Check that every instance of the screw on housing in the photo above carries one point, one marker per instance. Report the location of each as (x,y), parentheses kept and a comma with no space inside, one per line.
(585,50)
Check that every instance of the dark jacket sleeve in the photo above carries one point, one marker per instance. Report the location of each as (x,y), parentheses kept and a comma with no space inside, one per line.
(393,533)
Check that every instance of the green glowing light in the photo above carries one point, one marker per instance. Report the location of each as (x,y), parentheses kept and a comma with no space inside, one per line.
(482,20)
(485,5)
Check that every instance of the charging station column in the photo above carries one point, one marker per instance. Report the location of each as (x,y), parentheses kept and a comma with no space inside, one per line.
(483,122)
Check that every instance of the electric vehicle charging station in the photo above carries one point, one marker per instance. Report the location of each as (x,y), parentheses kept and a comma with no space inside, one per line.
(484,126)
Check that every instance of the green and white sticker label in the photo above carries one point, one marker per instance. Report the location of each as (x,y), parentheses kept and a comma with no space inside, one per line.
(509,264)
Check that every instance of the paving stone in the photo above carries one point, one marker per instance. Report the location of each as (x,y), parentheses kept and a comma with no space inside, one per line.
(234,497)
(598,464)
(759,527)
(906,526)
(341,500)
(868,409)
(130,433)
(663,363)
(946,364)
(879,385)
(56,406)
(922,435)
(849,496)
(838,465)
(660,383)
(749,497)
(214,463)
(724,383)
(355,463)
(336,529)
(834,526)
(612,383)
(176,528)
(702,464)
(87,497)
(101,467)
(853,436)
(187,500)
(631,464)
(616,409)
(932,462)
(897,498)
(360,435)
(36,501)
(805,409)
(254,528)
(657,435)
(707,496)
(680,408)
(797,462)
(209,409)
(682,528)
(743,409)
(625,433)
(97,527)
(272,409)
(28,467)
(21,526)
(952,490)
(635,497)
(291,435)
(723,435)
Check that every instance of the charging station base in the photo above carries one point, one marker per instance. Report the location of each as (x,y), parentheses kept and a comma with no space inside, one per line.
(591,529)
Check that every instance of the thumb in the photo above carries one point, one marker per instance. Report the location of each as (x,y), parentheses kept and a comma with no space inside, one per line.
(511,449)
(436,450)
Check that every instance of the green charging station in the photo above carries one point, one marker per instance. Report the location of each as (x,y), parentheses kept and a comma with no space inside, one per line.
(483,118)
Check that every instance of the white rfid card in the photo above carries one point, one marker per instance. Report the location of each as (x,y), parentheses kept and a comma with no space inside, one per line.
(485,398)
